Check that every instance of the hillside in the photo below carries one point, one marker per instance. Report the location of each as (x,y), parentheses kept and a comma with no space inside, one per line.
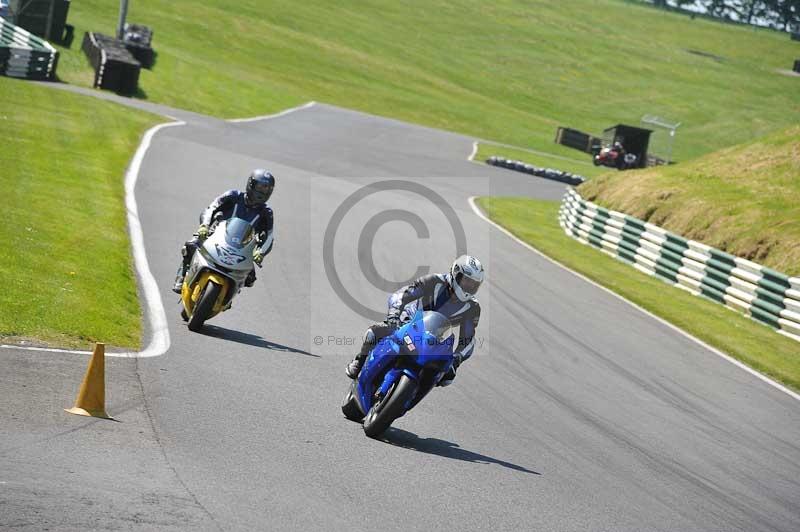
(509,71)
(744,199)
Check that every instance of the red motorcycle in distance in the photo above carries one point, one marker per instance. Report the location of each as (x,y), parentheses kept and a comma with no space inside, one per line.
(615,157)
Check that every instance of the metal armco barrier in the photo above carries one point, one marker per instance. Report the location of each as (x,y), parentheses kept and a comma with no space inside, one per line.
(23,55)
(754,290)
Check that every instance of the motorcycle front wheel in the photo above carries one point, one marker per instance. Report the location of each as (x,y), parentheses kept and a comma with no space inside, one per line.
(391,407)
(202,311)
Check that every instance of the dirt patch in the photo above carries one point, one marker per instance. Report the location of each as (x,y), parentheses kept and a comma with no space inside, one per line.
(787,72)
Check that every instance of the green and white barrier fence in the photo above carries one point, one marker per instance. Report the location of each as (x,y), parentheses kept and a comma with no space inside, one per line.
(754,290)
(23,55)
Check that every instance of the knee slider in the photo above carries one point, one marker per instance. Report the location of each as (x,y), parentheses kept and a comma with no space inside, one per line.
(369,337)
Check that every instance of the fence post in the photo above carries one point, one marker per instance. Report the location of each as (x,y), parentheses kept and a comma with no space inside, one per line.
(123,14)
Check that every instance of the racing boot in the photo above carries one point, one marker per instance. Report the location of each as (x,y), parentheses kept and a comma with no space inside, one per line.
(178,287)
(448,378)
(187,252)
(354,367)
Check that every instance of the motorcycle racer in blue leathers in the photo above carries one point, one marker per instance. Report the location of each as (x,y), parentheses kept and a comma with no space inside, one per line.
(451,294)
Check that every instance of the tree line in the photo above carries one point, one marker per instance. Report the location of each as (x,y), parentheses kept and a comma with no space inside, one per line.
(779,14)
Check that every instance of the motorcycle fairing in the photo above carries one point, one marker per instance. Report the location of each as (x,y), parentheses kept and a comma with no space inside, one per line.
(410,351)
(190,292)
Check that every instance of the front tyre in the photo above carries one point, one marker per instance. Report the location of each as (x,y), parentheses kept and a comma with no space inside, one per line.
(350,407)
(204,306)
(391,407)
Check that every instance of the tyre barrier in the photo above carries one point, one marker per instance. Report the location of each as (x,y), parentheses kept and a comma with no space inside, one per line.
(138,40)
(23,55)
(114,67)
(547,173)
(761,293)
(44,18)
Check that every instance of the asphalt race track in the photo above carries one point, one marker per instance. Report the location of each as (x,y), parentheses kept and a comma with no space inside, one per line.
(577,411)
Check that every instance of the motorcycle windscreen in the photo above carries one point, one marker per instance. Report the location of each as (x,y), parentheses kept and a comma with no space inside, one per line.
(433,339)
(238,233)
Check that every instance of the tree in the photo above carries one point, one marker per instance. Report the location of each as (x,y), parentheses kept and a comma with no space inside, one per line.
(748,10)
(787,13)
(783,14)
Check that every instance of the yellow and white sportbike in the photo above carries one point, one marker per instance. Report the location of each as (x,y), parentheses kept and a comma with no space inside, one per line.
(218,271)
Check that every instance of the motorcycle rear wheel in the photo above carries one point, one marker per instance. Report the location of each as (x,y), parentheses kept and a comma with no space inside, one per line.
(202,311)
(391,407)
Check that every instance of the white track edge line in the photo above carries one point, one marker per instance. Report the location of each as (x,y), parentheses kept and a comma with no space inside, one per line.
(474,151)
(47,349)
(157,317)
(696,340)
(275,115)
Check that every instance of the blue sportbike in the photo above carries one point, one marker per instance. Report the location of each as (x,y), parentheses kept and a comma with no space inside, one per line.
(399,371)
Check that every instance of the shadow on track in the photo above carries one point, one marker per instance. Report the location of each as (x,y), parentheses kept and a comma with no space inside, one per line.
(409,440)
(249,339)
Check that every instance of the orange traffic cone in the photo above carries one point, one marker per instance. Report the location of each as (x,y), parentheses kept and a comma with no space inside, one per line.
(91,400)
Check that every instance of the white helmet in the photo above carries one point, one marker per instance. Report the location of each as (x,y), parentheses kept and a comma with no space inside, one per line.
(466,277)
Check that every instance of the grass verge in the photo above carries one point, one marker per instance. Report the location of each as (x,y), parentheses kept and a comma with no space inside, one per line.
(744,200)
(67,263)
(509,70)
(536,222)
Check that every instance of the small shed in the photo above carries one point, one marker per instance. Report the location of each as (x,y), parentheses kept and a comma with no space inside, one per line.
(634,139)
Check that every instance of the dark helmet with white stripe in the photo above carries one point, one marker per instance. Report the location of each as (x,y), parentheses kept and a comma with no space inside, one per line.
(466,277)
(259,187)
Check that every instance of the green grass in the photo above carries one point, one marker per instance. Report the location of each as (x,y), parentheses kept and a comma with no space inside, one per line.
(509,71)
(744,200)
(535,222)
(66,267)
(581,165)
